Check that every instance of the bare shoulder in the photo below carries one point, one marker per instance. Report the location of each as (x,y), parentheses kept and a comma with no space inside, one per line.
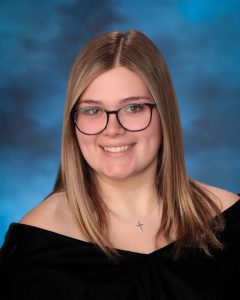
(54,214)
(46,213)
(223,198)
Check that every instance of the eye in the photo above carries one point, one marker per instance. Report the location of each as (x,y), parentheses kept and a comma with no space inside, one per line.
(134,108)
(91,111)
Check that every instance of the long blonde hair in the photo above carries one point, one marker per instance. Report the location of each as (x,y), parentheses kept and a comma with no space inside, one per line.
(186,206)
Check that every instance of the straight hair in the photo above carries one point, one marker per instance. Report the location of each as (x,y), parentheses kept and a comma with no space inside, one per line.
(187,207)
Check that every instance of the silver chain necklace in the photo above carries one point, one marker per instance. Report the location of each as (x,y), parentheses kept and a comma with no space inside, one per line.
(139,224)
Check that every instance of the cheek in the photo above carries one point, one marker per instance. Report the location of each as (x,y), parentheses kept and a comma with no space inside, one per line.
(154,135)
(85,144)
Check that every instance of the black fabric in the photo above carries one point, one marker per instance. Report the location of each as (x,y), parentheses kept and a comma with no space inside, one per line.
(39,264)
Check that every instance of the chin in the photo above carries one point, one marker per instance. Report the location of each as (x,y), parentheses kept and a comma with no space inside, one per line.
(117,175)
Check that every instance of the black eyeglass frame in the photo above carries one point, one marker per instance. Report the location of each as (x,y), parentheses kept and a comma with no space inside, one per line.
(108,112)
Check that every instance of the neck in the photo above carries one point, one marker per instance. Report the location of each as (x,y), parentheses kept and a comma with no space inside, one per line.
(136,196)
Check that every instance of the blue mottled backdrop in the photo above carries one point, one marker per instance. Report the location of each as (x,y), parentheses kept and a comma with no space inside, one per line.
(200,41)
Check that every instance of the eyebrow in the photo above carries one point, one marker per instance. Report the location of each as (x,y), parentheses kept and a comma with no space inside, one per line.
(124,100)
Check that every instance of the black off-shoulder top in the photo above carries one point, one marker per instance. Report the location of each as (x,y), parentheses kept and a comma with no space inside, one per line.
(40,264)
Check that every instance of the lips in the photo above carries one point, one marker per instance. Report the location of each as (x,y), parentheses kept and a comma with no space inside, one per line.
(116,149)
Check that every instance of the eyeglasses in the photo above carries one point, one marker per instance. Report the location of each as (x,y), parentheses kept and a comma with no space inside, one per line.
(132,117)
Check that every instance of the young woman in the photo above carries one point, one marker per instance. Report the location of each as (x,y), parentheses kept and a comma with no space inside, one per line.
(124,220)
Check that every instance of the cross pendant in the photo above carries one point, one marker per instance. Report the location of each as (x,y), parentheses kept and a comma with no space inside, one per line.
(140,226)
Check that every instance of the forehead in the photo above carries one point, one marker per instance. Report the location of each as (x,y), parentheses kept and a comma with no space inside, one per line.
(116,85)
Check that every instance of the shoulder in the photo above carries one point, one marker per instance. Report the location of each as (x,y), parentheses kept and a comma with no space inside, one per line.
(54,214)
(223,198)
(47,213)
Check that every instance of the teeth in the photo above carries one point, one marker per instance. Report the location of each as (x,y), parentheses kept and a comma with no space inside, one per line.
(116,149)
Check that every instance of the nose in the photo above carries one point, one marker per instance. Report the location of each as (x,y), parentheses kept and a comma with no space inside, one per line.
(113,126)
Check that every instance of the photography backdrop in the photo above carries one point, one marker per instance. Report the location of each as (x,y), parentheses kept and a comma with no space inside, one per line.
(200,42)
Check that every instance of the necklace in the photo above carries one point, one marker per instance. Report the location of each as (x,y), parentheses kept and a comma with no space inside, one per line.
(139,224)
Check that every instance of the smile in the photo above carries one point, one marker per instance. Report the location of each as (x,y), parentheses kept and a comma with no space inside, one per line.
(117,149)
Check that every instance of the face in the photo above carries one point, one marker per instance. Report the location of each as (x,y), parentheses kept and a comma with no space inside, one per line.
(101,151)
